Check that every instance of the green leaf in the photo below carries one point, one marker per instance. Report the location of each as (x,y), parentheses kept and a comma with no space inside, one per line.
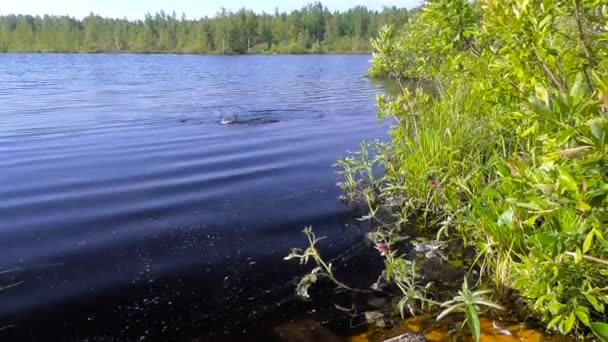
(544,239)
(531,206)
(589,241)
(474,324)
(402,306)
(599,307)
(577,90)
(583,316)
(555,321)
(598,79)
(448,311)
(546,21)
(600,330)
(542,94)
(597,129)
(566,180)
(569,324)
(582,206)
(506,218)
(532,129)
(594,158)
(578,258)
(555,307)
(489,304)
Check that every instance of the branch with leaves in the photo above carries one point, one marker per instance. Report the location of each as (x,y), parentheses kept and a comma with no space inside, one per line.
(322,270)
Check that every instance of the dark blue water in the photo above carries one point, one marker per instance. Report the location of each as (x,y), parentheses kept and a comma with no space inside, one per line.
(133,213)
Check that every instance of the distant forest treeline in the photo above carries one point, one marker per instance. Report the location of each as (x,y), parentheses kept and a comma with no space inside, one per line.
(312,29)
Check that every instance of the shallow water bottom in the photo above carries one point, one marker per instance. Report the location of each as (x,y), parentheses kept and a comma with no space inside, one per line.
(491,331)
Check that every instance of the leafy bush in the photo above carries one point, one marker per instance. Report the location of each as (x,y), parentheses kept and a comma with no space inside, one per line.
(501,141)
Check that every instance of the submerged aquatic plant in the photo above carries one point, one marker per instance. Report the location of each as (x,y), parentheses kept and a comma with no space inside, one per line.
(6,288)
(322,269)
(12,285)
(470,302)
(414,294)
(360,172)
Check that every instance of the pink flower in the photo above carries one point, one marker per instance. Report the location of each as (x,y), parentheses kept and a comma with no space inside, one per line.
(384,249)
(435,184)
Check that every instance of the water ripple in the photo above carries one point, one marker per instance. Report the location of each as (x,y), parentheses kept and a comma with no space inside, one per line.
(116,168)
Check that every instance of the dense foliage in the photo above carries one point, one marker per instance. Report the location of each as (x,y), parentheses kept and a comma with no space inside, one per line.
(313,29)
(500,144)
(509,150)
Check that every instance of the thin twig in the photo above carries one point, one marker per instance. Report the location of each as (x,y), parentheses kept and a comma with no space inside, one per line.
(543,66)
(583,41)
(29,268)
(10,286)
(589,258)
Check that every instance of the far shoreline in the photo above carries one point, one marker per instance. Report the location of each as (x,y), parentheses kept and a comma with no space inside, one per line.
(367,53)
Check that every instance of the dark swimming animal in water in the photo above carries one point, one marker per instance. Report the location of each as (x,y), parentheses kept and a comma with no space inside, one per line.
(228,120)
(234,120)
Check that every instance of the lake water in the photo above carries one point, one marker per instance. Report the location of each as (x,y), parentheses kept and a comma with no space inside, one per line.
(134,215)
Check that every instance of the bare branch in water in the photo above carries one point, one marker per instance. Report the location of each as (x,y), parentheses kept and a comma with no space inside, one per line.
(10,286)
(28,268)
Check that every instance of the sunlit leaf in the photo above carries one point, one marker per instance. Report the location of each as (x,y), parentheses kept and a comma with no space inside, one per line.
(582,206)
(577,90)
(544,239)
(473,320)
(530,130)
(583,316)
(546,21)
(542,94)
(598,128)
(531,206)
(578,258)
(506,218)
(589,241)
(600,330)
(599,307)
(566,180)
(447,311)
(555,307)
(555,321)
(489,304)
(569,323)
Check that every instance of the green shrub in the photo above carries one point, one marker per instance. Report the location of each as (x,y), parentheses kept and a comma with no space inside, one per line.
(501,141)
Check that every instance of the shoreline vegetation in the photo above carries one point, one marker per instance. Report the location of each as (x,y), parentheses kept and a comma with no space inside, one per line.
(181,53)
(491,196)
(314,29)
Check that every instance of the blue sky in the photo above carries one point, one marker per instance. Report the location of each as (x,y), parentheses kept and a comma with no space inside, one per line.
(134,9)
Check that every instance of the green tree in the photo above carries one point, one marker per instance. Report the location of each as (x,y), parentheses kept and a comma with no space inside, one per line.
(307,30)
